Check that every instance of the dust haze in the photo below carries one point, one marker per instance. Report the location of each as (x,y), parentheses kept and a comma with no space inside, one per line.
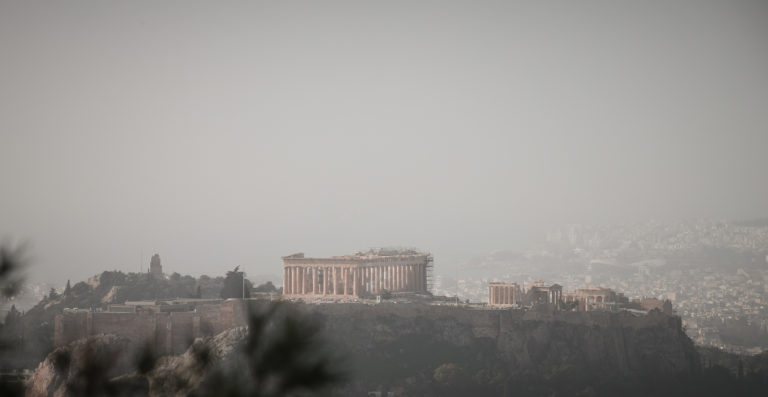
(233,135)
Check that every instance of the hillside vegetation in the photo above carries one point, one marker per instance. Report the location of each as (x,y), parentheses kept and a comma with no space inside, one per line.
(29,336)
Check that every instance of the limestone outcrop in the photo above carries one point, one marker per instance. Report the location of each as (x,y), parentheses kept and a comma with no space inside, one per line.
(104,360)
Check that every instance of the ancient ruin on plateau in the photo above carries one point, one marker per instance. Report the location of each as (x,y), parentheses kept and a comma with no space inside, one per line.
(384,296)
(369,277)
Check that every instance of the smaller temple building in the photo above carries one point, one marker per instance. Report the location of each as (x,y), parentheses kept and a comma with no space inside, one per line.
(539,294)
(503,294)
(595,298)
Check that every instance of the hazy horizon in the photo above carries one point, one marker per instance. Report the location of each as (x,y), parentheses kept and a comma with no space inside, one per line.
(235,133)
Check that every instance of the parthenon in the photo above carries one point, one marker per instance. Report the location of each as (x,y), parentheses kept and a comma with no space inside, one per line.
(356,275)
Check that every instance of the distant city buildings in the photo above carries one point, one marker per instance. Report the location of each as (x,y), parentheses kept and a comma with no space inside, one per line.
(714,273)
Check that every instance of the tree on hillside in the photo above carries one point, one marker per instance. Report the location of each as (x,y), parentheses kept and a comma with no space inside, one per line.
(235,285)
(11,271)
(67,289)
(282,356)
(266,287)
(12,263)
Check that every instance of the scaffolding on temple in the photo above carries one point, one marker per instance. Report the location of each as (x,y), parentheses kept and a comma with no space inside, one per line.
(429,270)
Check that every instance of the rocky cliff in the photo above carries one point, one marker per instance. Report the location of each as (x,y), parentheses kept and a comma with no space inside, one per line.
(400,345)
(404,348)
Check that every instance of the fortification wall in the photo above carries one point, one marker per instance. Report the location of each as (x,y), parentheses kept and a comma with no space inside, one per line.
(167,332)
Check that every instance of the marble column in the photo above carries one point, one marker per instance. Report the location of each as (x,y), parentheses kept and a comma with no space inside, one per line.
(404,277)
(387,278)
(392,279)
(398,282)
(296,281)
(285,281)
(293,280)
(411,281)
(346,279)
(490,295)
(397,277)
(314,280)
(401,277)
(493,295)
(288,279)
(301,279)
(333,280)
(407,277)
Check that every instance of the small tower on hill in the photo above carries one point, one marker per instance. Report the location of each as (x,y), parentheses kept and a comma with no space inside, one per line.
(155,268)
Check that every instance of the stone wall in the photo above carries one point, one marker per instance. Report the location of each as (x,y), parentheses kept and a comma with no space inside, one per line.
(167,332)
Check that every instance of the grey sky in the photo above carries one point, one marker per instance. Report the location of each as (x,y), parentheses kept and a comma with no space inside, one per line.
(232,133)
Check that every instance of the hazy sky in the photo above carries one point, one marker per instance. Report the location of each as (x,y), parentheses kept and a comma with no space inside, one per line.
(232,133)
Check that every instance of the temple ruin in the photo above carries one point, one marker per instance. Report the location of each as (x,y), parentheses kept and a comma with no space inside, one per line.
(503,294)
(540,293)
(595,298)
(361,274)
(511,294)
